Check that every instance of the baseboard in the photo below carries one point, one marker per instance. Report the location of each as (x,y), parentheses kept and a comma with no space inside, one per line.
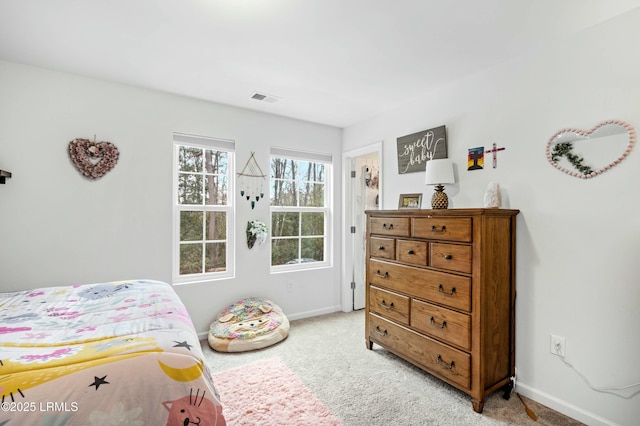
(308,314)
(315,313)
(561,406)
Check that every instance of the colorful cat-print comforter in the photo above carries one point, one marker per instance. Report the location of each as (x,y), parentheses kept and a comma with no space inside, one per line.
(102,354)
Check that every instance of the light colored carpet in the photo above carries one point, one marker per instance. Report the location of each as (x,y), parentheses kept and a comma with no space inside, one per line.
(267,393)
(363,387)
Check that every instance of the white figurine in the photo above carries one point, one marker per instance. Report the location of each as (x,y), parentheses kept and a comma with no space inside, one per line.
(492,197)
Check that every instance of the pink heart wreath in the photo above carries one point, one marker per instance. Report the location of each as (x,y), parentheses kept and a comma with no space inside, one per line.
(585,134)
(93,159)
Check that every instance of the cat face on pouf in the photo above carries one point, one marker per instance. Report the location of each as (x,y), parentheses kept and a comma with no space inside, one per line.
(249,325)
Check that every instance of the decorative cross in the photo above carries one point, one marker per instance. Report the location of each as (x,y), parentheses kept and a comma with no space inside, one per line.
(495,150)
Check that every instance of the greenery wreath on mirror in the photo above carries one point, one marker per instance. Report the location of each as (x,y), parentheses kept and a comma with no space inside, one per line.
(565,149)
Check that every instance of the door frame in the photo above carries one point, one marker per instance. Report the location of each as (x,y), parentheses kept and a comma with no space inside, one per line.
(347,244)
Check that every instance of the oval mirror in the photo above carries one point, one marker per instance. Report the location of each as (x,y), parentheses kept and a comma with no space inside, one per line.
(588,153)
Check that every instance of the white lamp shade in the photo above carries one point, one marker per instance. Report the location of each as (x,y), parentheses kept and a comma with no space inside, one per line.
(439,171)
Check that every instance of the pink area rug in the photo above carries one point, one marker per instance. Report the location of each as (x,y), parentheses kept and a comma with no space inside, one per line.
(266,393)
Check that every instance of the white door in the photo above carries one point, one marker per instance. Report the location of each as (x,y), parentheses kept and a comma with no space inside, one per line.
(365,195)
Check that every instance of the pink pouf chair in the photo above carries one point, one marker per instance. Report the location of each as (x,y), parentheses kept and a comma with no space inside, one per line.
(249,324)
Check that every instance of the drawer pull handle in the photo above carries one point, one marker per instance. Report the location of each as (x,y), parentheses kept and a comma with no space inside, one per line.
(442,228)
(441,290)
(435,324)
(378,274)
(382,332)
(411,252)
(380,247)
(444,364)
(387,307)
(448,257)
(384,226)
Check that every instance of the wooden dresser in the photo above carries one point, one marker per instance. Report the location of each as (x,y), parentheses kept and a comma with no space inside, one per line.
(441,293)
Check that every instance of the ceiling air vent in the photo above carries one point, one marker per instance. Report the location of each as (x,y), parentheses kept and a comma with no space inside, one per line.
(265,98)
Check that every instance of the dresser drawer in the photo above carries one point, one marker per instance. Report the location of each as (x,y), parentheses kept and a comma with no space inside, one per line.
(389,226)
(414,252)
(390,305)
(433,286)
(449,326)
(453,257)
(442,228)
(449,363)
(384,248)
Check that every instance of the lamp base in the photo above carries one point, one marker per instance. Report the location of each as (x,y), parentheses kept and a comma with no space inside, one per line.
(439,199)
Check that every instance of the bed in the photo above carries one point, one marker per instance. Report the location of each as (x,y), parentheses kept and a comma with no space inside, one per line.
(107,353)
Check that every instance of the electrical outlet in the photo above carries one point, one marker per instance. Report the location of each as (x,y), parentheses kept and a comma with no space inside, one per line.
(558,345)
(290,286)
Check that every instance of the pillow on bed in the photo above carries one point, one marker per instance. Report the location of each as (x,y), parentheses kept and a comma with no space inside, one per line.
(249,324)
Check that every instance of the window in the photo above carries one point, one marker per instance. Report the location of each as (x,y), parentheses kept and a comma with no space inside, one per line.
(203,208)
(300,209)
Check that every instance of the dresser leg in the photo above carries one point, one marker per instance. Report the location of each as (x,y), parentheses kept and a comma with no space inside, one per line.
(369,344)
(478,405)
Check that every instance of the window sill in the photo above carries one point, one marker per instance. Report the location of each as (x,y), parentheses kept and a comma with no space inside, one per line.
(281,269)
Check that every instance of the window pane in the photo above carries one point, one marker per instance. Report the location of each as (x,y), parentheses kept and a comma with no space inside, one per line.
(216,162)
(312,223)
(190,259)
(310,172)
(190,226)
(189,189)
(216,226)
(312,195)
(216,193)
(189,159)
(216,257)
(284,251)
(285,224)
(282,168)
(283,193)
(313,248)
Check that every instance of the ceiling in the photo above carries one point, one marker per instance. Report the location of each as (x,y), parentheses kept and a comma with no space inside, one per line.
(335,62)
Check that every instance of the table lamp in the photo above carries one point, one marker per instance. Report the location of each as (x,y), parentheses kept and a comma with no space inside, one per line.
(438,172)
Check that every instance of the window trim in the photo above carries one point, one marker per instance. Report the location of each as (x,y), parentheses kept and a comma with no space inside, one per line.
(181,139)
(327,209)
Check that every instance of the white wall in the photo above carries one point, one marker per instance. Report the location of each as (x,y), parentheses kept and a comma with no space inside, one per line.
(58,228)
(578,240)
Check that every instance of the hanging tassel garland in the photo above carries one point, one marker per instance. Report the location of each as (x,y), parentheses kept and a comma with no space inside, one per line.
(251,181)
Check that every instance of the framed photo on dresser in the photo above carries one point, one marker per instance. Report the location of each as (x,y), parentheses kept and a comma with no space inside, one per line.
(410,201)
